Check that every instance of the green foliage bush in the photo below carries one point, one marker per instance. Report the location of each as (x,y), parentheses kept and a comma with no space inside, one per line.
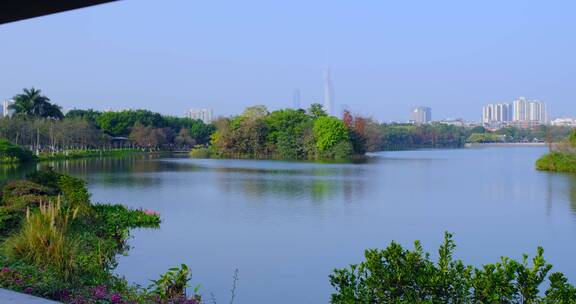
(557,161)
(53,250)
(10,153)
(46,177)
(484,138)
(328,132)
(16,189)
(172,284)
(398,275)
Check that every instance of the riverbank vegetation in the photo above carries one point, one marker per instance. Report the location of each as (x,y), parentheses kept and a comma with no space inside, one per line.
(10,153)
(55,244)
(438,135)
(561,157)
(312,134)
(40,126)
(399,275)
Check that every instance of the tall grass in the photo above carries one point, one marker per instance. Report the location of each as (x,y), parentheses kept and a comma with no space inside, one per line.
(44,241)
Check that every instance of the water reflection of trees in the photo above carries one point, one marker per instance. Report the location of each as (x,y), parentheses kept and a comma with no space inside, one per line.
(318,184)
(14,171)
(572,192)
(133,171)
(561,186)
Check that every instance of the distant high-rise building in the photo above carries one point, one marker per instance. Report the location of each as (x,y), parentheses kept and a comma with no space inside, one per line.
(204,115)
(522,113)
(328,92)
(6,108)
(296,99)
(421,115)
(499,113)
(533,111)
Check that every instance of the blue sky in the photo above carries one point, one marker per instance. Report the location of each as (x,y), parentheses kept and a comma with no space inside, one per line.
(385,56)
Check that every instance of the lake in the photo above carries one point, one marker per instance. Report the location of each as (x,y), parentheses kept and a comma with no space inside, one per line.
(286,225)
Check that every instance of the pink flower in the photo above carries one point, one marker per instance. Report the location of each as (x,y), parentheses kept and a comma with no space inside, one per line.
(28,290)
(5,269)
(100,292)
(151,212)
(116,298)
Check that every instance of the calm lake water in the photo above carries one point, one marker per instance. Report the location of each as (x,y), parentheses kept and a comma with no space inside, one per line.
(286,225)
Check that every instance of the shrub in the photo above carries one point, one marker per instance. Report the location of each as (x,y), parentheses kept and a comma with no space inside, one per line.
(172,284)
(75,193)
(115,220)
(10,153)
(200,153)
(398,275)
(46,177)
(43,240)
(10,218)
(20,188)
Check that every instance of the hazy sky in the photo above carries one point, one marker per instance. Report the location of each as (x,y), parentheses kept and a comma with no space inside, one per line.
(385,56)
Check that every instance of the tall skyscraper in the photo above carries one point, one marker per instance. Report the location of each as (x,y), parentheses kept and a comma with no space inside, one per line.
(520,107)
(328,92)
(296,99)
(204,115)
(533,111)
(499,113)
(5,108)
(521,113)
(421,115)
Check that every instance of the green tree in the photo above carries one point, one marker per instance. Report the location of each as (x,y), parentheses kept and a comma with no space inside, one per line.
(32,104)
(286,132)
(328,132)
(316,111)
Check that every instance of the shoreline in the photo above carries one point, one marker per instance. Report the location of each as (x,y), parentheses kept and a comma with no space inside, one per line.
(519,144)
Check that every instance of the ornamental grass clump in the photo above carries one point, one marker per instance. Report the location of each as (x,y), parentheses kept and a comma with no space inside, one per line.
(43,240)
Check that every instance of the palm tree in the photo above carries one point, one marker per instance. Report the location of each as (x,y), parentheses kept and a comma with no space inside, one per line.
(32,104)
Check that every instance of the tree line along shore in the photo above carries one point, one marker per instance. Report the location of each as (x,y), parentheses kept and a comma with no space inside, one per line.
(38,130)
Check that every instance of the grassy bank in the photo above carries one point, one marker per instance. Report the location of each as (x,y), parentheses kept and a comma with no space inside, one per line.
(55,244)
(557,161)
(77,154)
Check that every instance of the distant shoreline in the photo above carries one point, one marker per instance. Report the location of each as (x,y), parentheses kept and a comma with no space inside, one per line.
(472,145)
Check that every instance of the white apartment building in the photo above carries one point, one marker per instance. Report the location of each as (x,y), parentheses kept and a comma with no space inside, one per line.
(204,115)
(421,115)
(497,113)
(533,111)
(564,121)
(521,113)
(5,110)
